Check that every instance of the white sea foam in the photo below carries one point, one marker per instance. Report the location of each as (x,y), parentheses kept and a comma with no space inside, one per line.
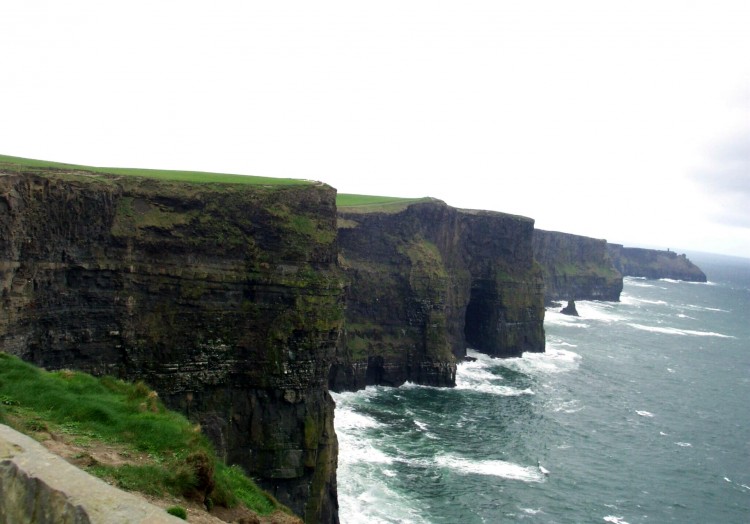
(553,316)
(531,511)
(663,434)
(646,414)
(615,520)
(684,444)
(695,307)
(553,360)
(676,331)
(601,311)
(475,376)
(495,468)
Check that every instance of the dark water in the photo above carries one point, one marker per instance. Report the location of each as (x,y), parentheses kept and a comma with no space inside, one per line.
(639,411)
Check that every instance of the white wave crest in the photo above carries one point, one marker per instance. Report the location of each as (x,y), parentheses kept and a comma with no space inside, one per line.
(553,360)
(684,444)
(475,376)
(495,468)
(676,331)
(615,520)
(646,414)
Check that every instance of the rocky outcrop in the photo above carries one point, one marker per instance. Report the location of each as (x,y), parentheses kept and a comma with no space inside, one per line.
(576,267)
(225,298)
(570,309)
(427,280)
(654,264)
(39,486)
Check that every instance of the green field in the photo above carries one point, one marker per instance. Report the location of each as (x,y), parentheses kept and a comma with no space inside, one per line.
(372,203)
(12,165)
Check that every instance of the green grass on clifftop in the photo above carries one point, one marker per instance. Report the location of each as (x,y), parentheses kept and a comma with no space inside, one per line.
(13,165)
(375,204)
(159,452)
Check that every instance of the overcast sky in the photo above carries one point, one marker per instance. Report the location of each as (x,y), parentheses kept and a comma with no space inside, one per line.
(625,120)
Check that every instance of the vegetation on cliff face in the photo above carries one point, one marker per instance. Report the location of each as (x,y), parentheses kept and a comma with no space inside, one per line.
(225,297)
(654,263)
(576,267)
(423,279)
(158,451)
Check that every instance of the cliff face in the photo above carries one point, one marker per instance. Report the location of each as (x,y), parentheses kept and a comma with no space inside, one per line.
(653,263)
(425,282)
(226,299)
(576,267)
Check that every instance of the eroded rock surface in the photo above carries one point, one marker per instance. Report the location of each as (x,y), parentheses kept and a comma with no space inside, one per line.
(576,267)
(226,299)
(654,264)
(428,280)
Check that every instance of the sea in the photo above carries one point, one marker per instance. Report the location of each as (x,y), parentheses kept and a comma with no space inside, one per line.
(638,412)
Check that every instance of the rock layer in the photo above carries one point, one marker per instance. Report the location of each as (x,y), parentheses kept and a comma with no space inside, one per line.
(427,280)
(654,264)
(576,267)
(226,299)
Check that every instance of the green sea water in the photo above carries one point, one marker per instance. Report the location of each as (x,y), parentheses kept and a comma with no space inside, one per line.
(639,412)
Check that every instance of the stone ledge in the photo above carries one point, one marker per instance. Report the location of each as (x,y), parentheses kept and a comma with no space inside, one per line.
(40,487)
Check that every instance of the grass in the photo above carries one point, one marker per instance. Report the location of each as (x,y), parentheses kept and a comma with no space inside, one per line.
(91,411)
(12,164)
(372,203)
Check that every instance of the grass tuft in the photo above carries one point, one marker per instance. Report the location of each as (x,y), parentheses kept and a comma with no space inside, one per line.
(86,410)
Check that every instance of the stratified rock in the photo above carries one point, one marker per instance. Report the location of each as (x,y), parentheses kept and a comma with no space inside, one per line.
(654,264)
(427,280)
(226,299)
(576,266)
(570,309)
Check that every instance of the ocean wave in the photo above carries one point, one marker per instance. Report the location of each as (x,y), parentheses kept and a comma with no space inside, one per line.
(493,389)
(684,444)
(642,413)
(675,331)
(475,376)
(695,307)
(553,360)
(495,468)
(615,520)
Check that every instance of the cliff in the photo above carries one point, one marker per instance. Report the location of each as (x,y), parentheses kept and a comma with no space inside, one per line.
(424,281)
(576,267)
(654,264)
(225,298)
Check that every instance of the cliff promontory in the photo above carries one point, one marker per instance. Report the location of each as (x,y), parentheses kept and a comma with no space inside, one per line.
(226,298)
(424,281)
(654,264)
(576,267)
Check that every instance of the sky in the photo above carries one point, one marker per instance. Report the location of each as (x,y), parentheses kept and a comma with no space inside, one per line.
(624,120)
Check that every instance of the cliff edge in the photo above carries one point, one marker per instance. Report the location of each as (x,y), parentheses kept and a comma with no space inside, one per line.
(576,267)
(654,264)
(226,298)
(424,281)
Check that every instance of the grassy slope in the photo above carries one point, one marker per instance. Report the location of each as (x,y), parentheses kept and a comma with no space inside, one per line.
(12,164)
(91,411)
(374,204)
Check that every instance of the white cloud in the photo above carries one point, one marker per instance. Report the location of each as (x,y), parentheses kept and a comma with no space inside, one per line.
(591,117)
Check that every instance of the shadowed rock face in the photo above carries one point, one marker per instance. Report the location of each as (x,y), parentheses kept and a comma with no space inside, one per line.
(427,281)
(654,264)
(226,299)
(576,267)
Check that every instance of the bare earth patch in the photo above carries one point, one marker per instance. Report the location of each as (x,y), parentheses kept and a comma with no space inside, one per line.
(99,453)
